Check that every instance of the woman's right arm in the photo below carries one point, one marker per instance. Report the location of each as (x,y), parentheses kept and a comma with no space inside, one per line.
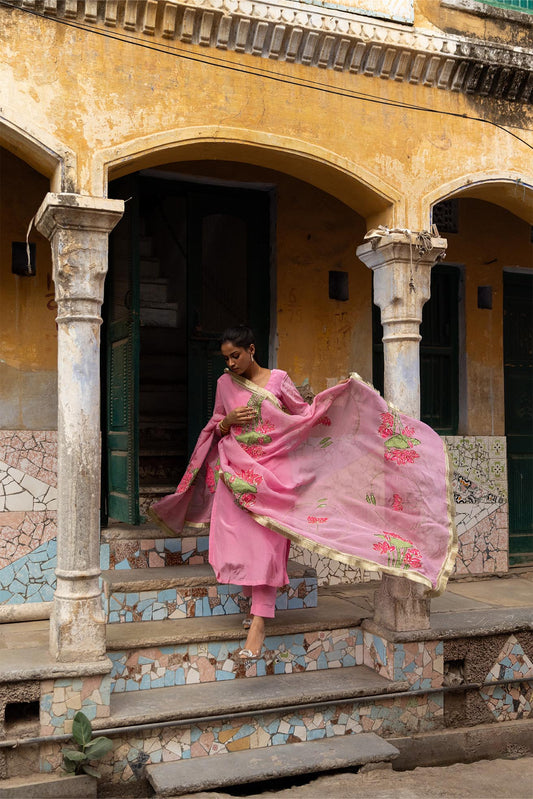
(241,415)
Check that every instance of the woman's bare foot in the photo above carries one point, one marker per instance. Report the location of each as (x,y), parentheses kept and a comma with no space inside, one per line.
(255,639)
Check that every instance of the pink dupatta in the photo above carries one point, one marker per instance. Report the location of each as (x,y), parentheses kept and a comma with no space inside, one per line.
(348,477)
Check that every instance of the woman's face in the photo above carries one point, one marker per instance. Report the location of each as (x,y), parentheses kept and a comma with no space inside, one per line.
(238,359)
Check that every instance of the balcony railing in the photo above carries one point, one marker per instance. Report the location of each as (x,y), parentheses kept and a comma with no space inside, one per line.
(511,5)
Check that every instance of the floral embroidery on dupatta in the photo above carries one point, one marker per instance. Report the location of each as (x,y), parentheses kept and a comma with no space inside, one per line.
(187,480)
(401,553)
(252,436)
(243,486)
(399,441)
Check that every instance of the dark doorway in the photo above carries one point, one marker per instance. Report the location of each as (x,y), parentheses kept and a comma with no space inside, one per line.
(188,259)
(518,377)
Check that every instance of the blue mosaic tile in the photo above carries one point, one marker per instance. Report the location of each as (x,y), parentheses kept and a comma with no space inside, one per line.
(104,556)
(224,675)
(314,735)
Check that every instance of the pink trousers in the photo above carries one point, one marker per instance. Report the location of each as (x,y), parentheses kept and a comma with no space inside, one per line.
(263,599)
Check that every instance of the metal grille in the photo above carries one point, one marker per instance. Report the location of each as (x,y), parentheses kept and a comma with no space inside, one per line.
(446,216)
(512,5)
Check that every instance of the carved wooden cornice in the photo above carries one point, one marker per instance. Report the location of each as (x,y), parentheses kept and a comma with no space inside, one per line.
(303,33)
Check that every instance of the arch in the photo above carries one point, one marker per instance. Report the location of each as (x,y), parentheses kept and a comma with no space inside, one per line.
(42,151)
(357,187)
(510,190)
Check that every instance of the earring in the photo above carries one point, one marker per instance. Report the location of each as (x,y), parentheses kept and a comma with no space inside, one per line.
(252,358)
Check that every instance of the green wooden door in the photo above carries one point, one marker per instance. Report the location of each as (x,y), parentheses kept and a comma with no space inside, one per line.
(229,259)
(122,373)
(518,376)
(439,361)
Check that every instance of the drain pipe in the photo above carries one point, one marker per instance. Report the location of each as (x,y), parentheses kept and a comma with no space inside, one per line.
(154,725)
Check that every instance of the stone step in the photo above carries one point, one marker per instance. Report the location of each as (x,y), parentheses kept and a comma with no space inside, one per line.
(159,315)
(148,655)
(153,290)
(48,786)
(162,449)
(149,267)
(121,531)
(267,763)
(259,696)
(177,592)
(164,367)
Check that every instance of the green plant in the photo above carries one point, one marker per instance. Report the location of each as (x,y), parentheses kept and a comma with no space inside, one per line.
(76,761)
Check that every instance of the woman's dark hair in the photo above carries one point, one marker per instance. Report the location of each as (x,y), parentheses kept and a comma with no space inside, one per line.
(241,336)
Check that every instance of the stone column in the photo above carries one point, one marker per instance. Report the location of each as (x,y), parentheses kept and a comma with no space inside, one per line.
(401,263)
(78,228)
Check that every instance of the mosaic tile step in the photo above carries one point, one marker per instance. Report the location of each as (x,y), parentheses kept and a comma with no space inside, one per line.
(144,668)
(180,592)
(142,553)
(240,767)
(330,614)
(261,694)
(396,714)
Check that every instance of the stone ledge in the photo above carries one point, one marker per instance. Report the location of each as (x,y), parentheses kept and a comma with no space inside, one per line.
(49,786)
(29,611)
(486,10)
(315,36)
(462,624)
(36,663)
(465,744)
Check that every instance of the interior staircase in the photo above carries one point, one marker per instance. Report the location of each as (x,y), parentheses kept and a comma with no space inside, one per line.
(162,377)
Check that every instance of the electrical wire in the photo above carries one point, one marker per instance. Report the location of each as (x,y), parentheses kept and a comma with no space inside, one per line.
(217,61)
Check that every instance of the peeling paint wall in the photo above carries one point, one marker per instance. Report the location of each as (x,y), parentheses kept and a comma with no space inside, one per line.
(28,341)
(489,240)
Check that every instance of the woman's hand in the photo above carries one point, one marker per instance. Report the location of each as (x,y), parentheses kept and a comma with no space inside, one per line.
(242,415)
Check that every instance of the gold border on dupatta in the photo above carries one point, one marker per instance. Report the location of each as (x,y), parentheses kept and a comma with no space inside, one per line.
(173,533)
(253,388)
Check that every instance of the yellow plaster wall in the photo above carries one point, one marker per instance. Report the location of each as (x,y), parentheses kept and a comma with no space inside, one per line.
(113,101)
(117,104)
(489,239)
(431,14)
(28,341)
(28,332)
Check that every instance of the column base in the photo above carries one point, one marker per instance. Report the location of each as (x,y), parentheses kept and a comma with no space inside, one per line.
(77,629)
(401,605)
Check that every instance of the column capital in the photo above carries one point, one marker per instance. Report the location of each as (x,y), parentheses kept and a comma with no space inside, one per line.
(383,248)
(77,227)
(79,211)
(401,263)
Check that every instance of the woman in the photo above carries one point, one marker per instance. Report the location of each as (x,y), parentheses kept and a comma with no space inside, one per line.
(348,477)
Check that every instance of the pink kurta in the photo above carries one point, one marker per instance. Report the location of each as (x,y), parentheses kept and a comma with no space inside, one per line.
(348,477)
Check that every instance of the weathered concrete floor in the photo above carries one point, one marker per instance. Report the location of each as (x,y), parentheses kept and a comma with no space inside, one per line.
(504,779)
